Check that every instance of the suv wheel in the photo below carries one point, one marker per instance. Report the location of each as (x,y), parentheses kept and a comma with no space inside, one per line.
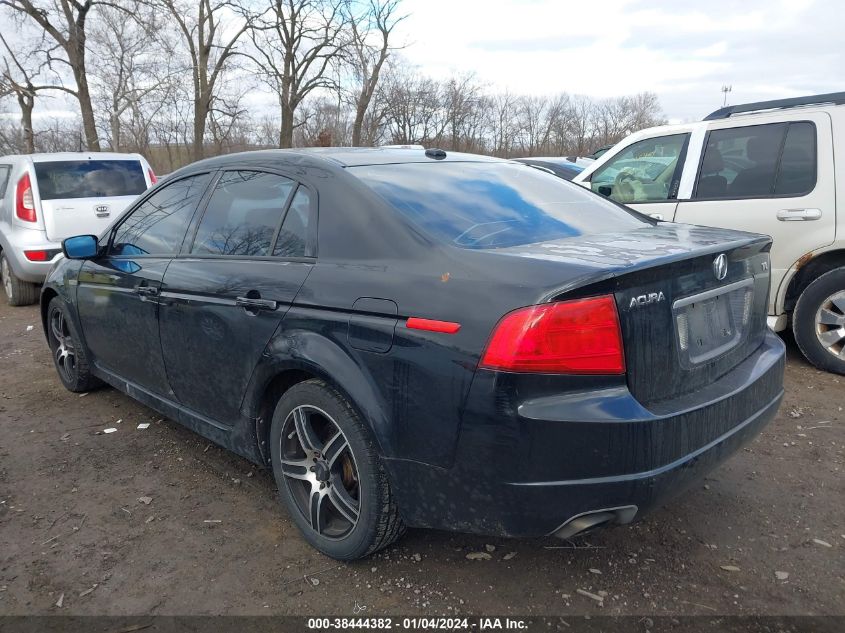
(819,321)
(68,353)
(18,293)
(329,473)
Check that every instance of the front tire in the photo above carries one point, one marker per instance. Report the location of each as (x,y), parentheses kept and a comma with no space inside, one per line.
(818,321)
(69,355)
(18,292)
(329,473)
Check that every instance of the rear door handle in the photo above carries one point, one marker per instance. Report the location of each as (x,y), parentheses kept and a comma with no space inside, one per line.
(146,291)
(256,304)
(798,215)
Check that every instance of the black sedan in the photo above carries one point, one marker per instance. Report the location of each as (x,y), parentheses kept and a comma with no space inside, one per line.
(560,167)
(416,338)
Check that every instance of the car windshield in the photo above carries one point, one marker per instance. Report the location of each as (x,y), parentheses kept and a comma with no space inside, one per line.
(493,205)
(89,179)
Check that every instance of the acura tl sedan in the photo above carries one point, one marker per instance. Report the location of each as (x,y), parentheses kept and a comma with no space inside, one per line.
(416,338)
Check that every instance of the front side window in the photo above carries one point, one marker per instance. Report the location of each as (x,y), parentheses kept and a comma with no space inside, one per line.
(243,214)
(159,224)
(758,161)
(89,179)
(642,172)
(493,204)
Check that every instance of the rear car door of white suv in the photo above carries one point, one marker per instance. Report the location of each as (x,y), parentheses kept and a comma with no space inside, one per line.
(774,175)
(83,196)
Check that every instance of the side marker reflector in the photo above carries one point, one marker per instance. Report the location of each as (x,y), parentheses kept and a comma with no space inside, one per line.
(430,325)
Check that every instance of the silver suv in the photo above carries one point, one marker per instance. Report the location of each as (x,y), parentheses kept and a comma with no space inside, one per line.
(45,198)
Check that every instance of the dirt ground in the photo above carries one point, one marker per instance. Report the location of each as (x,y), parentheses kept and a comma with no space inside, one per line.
(765,534)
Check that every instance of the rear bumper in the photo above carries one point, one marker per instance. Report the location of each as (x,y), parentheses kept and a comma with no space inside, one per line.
(528,463)
(30,240)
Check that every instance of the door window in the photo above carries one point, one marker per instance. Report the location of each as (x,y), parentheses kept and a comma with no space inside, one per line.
(758,161)
(5,170)
(642,172)
(293,238)
(243,214)
(158,225)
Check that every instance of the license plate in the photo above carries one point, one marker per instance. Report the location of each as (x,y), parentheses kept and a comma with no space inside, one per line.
(713,322)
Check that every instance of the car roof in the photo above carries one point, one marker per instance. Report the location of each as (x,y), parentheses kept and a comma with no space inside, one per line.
(341,157)
(76,156)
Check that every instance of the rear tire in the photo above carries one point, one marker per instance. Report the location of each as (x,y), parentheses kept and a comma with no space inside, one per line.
(18,292)
(69,354)
(329,473)
(818,322)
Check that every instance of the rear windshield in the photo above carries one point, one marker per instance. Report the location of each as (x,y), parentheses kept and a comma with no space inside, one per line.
(89,179)
(493,205)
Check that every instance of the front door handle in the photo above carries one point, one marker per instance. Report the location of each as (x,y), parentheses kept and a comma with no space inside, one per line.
(798,215)
(146,291)
(256,304)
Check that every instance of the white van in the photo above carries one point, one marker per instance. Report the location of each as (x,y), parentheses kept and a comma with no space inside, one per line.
(45,198)
(773,167)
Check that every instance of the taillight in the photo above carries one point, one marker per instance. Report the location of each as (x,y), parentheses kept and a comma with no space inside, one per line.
(24,202)
(36,256)
(582,336)
(151,173)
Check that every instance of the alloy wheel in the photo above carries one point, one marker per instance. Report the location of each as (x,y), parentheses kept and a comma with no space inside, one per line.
(320,471)
(65,352)
(830,324)
(5,273)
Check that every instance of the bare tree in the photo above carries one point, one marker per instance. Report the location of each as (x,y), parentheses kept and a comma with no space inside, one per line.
(202,25)
(295,42)
(370,48)
(64,21)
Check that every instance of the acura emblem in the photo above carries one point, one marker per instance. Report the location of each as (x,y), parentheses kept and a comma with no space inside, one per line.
(720,267)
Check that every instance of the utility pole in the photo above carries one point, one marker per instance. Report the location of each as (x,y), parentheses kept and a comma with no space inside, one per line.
(725,90)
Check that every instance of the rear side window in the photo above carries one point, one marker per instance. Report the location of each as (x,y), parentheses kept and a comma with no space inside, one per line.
(243,214)
(5,170)
(159,224)
(758,161)
(646,171)
(293,238)
(491,205)
(89,179)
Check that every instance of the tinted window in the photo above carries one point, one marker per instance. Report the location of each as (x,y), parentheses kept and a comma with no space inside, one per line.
(797,171)
(158,226)
(293,238)
(5,170)
(642,172)
(488,205)
(89,179)
(243,214)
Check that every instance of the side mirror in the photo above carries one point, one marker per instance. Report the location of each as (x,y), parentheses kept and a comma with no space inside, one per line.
(80,247)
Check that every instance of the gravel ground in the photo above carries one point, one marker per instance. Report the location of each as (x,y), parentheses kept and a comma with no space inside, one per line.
(159,521)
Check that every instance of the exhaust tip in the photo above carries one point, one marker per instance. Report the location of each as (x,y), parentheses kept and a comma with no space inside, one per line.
(588,521)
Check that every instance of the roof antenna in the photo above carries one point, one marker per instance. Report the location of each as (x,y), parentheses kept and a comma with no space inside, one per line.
(436,154)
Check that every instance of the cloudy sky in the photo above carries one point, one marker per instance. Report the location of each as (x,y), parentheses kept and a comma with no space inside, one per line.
(684,50)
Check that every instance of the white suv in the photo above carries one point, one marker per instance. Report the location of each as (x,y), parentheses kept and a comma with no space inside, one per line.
(45,198)
(774,167)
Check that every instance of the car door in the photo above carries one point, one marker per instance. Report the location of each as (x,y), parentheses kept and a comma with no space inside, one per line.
(225,296)
(645,175)
(773,177)
(118,293)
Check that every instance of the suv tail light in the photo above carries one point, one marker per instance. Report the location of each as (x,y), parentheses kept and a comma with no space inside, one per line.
(24,202)
(152,175)
(582,336)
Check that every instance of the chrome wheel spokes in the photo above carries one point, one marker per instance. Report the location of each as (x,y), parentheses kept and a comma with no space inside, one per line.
(830,324)
(65,352)
(320,471)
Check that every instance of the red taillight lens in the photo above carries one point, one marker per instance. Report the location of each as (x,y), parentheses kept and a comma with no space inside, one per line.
(566,337)
(152,175)
(37,256)
(24,202)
